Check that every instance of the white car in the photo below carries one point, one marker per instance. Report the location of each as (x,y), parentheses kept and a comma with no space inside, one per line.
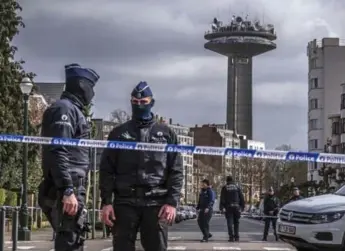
(315,223)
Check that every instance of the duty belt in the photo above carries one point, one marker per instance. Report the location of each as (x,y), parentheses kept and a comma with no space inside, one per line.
(141,192)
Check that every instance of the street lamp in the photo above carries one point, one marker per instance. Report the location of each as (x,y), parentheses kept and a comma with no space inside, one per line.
(24,233)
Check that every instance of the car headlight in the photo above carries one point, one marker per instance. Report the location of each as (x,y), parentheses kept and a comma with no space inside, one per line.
(327,217)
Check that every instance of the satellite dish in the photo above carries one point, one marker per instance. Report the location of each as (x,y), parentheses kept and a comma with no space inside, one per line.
(239,19)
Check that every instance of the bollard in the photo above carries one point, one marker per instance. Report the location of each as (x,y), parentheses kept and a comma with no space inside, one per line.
(2,228)
(14,229)
(104,230)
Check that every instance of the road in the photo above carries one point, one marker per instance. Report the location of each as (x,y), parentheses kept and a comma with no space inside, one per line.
(182,236)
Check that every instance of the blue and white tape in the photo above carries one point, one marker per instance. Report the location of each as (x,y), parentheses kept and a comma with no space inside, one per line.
(185,149)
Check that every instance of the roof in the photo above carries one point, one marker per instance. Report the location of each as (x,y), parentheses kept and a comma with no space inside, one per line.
(51,91)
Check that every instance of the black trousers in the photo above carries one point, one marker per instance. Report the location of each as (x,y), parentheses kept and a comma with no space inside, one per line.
(129,219)
(204,222)
(67,231)
(233,215)
(268,220)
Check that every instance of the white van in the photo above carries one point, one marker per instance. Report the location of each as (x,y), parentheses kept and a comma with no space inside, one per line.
(315,223)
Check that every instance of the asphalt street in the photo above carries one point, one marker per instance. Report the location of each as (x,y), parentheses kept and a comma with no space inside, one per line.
(182,236)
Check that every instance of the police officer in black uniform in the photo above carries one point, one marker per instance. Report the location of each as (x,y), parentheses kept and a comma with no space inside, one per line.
(205,207)
(65,168)
(296,195)
(271,209)
(232,203)
(146,184)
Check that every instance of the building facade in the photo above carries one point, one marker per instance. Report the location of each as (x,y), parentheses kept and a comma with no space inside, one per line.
(326,60)
(214,168)
(102,130)
(185,137)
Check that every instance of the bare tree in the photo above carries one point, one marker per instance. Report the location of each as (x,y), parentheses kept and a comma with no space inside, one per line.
(119,116)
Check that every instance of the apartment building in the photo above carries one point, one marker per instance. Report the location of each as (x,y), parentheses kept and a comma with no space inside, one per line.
(185,137)
(326,60)
(102,130)
(214,168)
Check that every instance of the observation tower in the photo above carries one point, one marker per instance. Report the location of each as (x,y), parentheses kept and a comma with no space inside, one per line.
(240,41)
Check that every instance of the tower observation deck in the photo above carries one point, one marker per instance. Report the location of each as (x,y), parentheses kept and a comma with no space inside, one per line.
(240,41)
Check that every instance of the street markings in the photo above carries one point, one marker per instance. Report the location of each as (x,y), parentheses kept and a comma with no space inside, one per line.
(24,247)
(177,248)
(226,248)
(276,249)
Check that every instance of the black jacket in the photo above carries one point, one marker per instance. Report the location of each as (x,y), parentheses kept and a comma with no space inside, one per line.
(62,164)
(231,196)
(206,199)
(141,177)
(271,203)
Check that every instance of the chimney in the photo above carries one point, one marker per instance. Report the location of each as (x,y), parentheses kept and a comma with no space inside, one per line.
(170,121)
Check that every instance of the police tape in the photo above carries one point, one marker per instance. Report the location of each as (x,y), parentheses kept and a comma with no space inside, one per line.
(183,149)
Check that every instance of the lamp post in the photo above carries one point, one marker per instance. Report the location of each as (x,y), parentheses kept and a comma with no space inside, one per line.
(24,233)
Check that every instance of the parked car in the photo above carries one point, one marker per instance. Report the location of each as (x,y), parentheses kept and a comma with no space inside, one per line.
(315,223)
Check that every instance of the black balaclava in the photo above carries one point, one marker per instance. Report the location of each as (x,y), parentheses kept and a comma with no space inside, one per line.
(142,112)
(80,82)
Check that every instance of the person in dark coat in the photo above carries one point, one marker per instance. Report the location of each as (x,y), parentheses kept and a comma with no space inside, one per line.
(296,195)
(146,184)
(271,209)
(65,166)
(205,207)
(232,203)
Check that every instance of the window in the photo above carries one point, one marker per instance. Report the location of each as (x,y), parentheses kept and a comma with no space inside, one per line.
(336,128)
(343,148)
(313,124)
(343,125)
(313,104)
(342,106)
(336,149)
(314,83)
(313,144)
(312,63)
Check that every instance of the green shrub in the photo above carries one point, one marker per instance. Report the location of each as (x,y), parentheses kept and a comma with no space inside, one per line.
(2,196)
(11,199)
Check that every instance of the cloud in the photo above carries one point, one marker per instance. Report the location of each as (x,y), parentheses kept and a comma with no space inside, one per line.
(162,42)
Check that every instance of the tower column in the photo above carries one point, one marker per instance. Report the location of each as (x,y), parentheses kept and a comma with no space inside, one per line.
(240,93)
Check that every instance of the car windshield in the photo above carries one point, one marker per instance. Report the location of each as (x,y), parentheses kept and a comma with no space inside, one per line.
(340,191)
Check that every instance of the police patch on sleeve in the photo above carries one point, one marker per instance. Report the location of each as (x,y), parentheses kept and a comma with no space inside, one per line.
(64,121)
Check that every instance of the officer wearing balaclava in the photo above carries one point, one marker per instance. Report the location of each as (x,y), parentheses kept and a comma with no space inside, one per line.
(271,209)
(146,184)
(232,203)
(65,168)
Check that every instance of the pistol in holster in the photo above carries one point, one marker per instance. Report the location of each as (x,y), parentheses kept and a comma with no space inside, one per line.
(83,226)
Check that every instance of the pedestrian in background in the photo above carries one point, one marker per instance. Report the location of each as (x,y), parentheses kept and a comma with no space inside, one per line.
(232,203)
(146,184)
(271,209)
(205,207)
(296,195)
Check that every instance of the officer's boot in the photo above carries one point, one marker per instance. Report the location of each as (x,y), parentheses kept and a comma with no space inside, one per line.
(231,239)
(275,234)
(237,238)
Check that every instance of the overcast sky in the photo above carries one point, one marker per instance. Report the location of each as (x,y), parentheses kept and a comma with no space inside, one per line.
(161,42)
